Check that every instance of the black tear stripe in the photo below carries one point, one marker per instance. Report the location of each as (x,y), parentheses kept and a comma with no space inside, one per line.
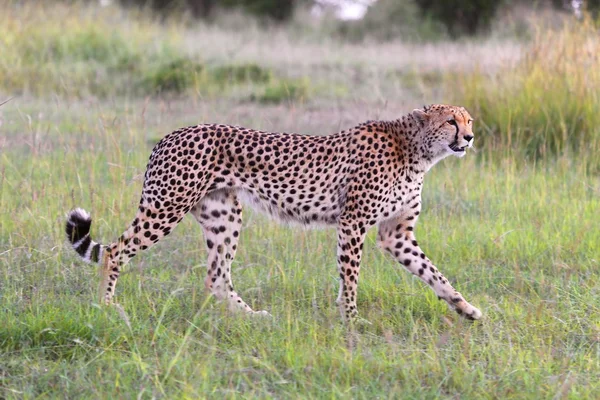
(456,134)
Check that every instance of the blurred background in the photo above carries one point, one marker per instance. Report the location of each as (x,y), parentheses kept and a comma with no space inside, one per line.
(528,70)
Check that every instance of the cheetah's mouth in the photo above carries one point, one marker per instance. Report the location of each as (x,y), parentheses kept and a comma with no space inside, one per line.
(456,149)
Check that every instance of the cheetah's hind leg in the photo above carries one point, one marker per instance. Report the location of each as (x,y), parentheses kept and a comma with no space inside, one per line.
(148,227)
(220,215)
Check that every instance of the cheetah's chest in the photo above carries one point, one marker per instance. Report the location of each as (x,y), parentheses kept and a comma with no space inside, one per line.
(399,198)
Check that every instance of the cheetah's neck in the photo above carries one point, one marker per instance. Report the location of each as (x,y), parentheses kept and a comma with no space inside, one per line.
(414,144)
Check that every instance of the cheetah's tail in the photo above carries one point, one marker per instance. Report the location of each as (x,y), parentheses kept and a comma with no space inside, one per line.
(78,233)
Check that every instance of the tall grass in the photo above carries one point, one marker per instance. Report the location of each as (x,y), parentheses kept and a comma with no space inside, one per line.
(547,104)
(53,49)
(79,50)
(76,50)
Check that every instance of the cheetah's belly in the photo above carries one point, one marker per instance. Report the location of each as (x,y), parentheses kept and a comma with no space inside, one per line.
(289,209)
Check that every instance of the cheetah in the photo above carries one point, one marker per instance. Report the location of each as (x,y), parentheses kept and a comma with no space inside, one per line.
(353,180)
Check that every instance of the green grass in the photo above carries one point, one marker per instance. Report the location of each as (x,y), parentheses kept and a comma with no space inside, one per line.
(40,56)
(521,243)
(548,103)
(140,57)
(284,91)
(514,226)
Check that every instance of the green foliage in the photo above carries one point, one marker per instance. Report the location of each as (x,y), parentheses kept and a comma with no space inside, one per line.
(424,20)
(392,19)
(241,73)
(90,43)
(277,10)
(93,58)
(182,74)
(166,7)
(461,16)
(593,7)
(90,57)
(281,91)
(590,6)
(175,76)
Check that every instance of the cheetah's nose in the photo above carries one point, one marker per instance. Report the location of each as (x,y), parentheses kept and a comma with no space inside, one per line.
(468,138)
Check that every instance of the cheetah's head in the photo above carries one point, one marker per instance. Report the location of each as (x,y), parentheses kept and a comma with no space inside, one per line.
(444,130)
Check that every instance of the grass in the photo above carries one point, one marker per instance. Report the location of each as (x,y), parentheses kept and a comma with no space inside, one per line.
(519,239)
(94,59)
(519,242)
(89,58)
(547,104)
(290,91)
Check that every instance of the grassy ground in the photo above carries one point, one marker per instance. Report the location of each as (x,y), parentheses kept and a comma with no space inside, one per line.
(518,239)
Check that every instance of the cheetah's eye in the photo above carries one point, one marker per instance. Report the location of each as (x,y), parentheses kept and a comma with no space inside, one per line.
(452,122)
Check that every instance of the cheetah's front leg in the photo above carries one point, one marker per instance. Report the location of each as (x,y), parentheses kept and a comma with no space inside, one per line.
(349,252)
(397,238)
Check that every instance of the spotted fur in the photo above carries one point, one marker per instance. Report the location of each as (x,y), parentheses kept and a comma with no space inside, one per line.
(368,175)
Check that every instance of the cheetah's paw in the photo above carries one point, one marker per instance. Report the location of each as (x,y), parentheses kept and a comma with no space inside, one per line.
(262,313)
(469,312)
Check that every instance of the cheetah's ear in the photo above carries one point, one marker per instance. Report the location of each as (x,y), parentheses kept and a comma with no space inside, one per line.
(420,116)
